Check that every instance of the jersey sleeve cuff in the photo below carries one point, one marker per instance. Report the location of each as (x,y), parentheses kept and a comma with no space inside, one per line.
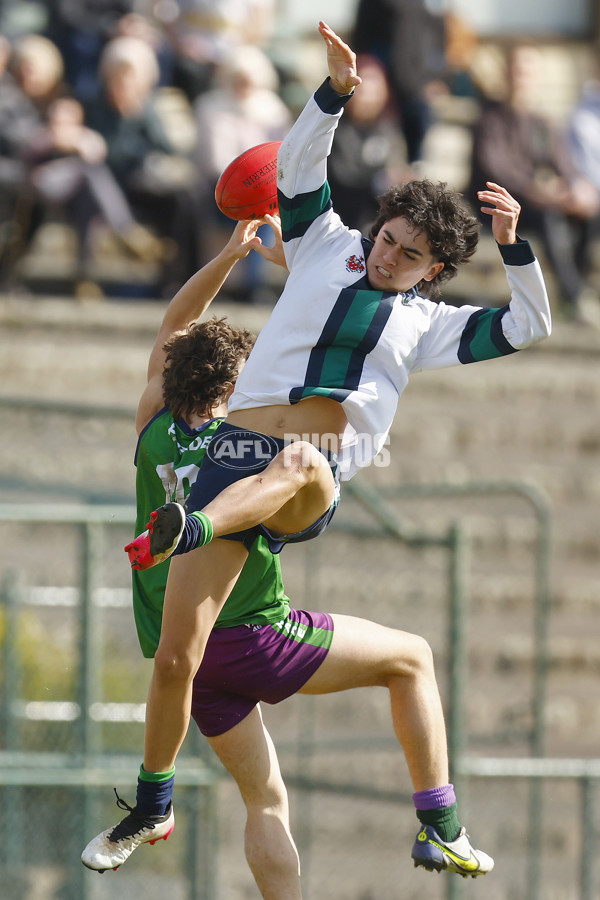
(328,100)
(519,254)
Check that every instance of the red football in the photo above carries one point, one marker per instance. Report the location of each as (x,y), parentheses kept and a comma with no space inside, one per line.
(247,189)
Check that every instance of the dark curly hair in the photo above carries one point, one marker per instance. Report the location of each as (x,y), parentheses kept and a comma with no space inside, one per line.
(442,214)
(201,366)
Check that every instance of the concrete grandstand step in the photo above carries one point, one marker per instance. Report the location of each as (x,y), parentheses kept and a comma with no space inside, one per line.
(50,266)
(505,588)
(565,653)
(576,588)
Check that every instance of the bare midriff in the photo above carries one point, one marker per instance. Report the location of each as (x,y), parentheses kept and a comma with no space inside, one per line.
(315,419)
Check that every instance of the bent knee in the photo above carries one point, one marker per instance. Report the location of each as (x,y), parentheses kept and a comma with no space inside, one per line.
(303,459)
(415,658)
(172,665)
(264,797)
(423,654)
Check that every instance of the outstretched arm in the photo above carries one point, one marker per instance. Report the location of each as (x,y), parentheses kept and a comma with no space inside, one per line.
(304,195)
(196,295)
(468,334)
(194,298)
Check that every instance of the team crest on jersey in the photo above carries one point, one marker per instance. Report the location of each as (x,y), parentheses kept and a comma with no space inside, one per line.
(355,264)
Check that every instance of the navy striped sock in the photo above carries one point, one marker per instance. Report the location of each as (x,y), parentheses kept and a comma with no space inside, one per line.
(154,792)
(197,532)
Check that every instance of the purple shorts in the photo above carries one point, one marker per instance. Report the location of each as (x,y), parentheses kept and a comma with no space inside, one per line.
(249,663)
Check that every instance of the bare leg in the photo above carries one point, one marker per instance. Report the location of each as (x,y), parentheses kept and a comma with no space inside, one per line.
(248,753)
(295,489)
(364,654)
(290,495)
(197,587)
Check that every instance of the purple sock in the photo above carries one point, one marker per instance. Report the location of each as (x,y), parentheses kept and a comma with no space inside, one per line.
(437,808)
(435,798)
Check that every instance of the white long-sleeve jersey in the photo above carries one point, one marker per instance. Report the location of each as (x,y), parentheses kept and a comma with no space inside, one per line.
(331,335)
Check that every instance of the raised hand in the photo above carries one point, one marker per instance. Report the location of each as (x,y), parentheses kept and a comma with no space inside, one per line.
(341,60)
(244,239)
(504,211)
(274,253)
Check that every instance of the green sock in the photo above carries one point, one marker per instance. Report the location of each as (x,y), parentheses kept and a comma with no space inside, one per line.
(207,528)
(156,776)
(444,820)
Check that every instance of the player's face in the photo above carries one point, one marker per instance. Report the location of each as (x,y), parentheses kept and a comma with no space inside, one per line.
(400,258)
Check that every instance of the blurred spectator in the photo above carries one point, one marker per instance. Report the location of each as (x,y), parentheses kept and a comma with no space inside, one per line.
(139,26)
(12,170)
(242,110)
(54,163)
(368,153)
(461,57)
(409,41)
(68,171)
(37,67)
(31,78)
(584,129)
(80,29)
(157,181)
(515,146)
(203,32)
(584,145)
(18,118)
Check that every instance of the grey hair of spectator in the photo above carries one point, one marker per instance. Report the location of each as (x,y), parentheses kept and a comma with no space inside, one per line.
(129,52)
(250,64)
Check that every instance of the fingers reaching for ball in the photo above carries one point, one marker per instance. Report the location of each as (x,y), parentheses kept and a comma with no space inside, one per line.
(274,252)
(245,238)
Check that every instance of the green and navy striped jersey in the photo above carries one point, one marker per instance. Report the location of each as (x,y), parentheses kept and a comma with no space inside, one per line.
(331,335)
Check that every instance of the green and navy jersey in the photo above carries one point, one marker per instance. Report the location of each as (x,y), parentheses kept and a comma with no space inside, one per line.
(331,335)
(167,459)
